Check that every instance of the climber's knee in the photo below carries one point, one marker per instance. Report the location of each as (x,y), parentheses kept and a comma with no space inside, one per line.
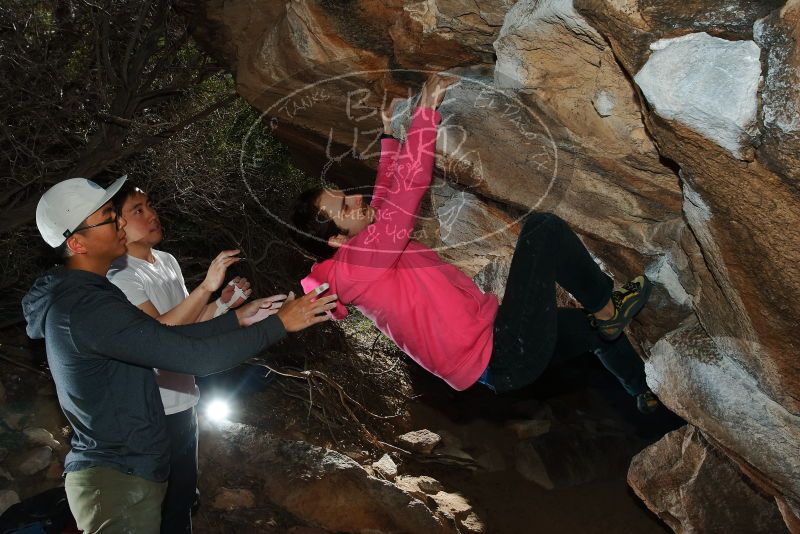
(542,220)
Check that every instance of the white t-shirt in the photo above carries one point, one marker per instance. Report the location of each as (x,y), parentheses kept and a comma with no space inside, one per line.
(162,284)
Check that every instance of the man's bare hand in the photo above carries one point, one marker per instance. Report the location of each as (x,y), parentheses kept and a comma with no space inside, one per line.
(297,314)
(218,268)
(259,309)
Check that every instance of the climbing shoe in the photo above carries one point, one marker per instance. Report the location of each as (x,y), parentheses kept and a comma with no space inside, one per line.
(628,301)
(647,402)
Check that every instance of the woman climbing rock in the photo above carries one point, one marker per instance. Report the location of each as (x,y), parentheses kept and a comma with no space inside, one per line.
(434,312)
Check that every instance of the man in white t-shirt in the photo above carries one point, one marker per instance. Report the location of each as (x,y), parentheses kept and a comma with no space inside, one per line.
(152,280)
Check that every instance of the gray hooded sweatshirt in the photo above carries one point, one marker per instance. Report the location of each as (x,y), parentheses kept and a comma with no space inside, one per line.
(102,351)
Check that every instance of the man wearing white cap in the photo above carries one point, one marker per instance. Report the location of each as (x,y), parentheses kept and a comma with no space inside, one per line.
(102,350)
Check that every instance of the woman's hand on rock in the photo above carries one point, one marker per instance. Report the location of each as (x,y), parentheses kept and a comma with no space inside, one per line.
(387,113)
(434,89)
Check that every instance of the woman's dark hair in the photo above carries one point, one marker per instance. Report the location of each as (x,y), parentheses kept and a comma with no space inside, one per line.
(307,218)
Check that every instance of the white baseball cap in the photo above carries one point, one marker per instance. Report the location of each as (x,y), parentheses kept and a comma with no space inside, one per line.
(67,204)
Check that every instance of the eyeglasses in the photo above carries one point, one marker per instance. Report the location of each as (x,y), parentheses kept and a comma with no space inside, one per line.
(112,219)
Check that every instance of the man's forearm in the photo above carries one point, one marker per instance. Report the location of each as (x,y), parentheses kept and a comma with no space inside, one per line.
(189,310)
(208,312)
(117,330)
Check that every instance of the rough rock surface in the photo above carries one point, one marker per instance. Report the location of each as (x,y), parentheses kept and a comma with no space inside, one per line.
(385,467)
(560,121)
(423,441)
(40,436)
(420,486)
(327,489)
(743,216)
(456,506)
(706,83)
(8,498)
(530,428)
(31,458)
(35,460)
(701,383)
(694,487)
(777,34)
(233,499)
(572,454)
(452,505)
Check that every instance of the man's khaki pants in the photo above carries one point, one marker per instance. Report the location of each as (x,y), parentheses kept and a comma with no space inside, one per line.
(108,501)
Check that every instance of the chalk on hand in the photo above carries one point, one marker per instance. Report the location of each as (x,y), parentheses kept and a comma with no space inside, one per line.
(321,288)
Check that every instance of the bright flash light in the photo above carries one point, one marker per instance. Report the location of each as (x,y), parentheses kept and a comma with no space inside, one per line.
(218,410)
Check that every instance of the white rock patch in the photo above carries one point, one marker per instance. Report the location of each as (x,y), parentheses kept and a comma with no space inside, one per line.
(706,83)
(664,273)
(603,103)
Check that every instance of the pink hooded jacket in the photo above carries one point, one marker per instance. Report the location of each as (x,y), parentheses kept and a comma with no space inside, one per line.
(430,309)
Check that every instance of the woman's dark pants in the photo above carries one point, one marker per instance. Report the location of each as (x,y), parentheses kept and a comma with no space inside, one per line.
(532,333)
(176,514)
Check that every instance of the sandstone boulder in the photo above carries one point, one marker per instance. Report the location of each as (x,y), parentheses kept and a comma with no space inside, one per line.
(777,35)
(694,487)
(704,384)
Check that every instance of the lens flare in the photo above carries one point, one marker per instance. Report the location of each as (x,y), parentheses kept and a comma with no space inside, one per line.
(218,410)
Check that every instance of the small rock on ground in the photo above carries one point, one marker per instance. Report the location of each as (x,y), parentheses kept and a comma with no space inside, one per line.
(386,467)
(422,441)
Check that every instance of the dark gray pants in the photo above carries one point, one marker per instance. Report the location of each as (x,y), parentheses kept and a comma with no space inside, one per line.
(532,333)
(176,516)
